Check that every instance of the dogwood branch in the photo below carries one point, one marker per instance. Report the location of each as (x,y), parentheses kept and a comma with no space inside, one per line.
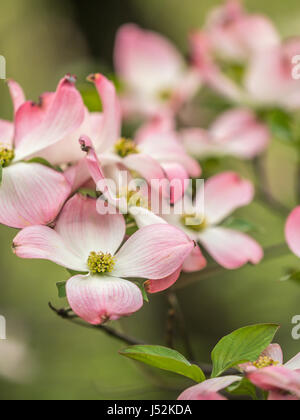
(70,316)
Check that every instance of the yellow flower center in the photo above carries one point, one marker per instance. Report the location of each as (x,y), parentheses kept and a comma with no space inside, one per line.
(100,263)
(264,361)
(165,95)
(194,222)
(6,156)
(125,147)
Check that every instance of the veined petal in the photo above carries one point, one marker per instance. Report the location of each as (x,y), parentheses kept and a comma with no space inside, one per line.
(224,194)
(156,286)
(153,252)
(145,166)
(98,299)
(179,180)
(86,231)
(195,261)
(16,93)
(292,231)
(231,249)
(209,389)
(6,133)
(276,378)
(78,175)
(57,116)
(294,363)
(31,194)
(42,242)
(274,352)
(110,129)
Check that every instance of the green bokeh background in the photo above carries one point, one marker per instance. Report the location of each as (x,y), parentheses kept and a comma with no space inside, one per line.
(42,40)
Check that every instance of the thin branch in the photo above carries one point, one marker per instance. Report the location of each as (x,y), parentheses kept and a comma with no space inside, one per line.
(69,316)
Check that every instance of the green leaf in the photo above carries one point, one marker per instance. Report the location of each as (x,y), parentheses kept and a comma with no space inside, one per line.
(280,123)
(240,224)
(292,276)
(75,273)
(243,388)
(61,287)
(44,162)
(141,286)
(165,359)
(242,346)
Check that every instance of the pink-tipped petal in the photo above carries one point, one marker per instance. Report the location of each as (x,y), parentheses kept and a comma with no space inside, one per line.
(231,249)
(57,116)
(224,194)
(6,133)
(154,252)
(209,389)
(156,286)
(78,175)
(92,160)
(239,133)
(276,378)
(294,363)
(109,131)
(86,231)
(146,61)
(165,147)
(42,242)
(292,231)
(274,352)
(179,180)
(145,166)
(195,261)
(31,194)
(98,299)
(17,94)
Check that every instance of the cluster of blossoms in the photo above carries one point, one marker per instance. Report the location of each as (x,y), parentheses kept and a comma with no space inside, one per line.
(112,237)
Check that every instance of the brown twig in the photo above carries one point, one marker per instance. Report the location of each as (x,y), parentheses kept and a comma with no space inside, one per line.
(70,316)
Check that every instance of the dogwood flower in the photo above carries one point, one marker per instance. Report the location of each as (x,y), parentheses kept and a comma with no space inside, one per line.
(209,390)
(223,194)
(133,200)
(229,26)
(235,133)
(270,374)
(279,88)
(89,243)
(239,73)
(155,154)
(31,193)
(155,76)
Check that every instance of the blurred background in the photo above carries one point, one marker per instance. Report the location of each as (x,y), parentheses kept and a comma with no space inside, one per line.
(48,358)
